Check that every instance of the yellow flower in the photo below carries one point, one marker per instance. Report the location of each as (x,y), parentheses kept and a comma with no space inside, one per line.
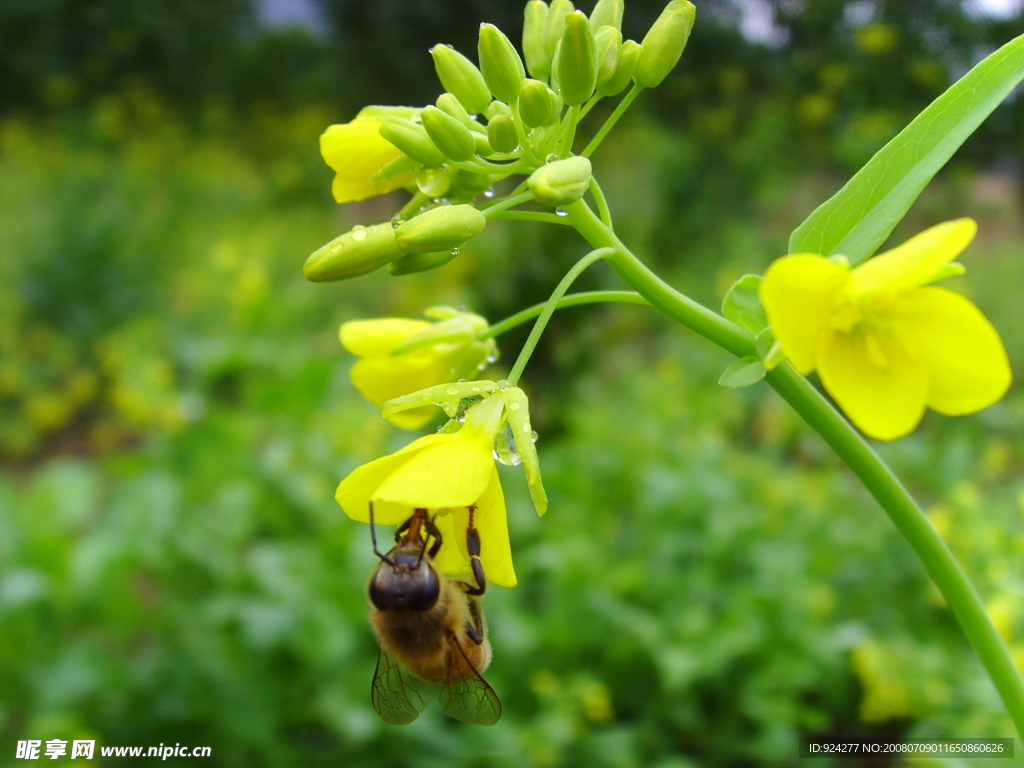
(400,356)
(886,344)
(356,151)
(447,474)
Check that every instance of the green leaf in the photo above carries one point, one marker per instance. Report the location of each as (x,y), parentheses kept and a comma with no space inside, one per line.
(768,348)
(742,373)
(860,216)
(742,306)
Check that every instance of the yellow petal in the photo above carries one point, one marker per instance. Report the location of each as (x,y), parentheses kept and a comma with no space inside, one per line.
(883,402)
(356,151)
(916,261)
(452,472)
(414,418)
(799,295)
(374,338)
(356,490)
(491,521)
(380,379)
(964,353)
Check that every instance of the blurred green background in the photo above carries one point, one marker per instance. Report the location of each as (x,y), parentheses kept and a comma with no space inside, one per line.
(710,583)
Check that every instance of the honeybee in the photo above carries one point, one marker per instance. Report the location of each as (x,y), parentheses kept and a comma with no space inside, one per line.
(431,629)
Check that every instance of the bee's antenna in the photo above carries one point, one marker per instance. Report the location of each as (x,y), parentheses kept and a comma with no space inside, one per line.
(373,538)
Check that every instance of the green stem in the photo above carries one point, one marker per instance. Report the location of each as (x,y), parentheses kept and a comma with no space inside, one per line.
(877,477)
(565,143)
(613,118)
(602,203)
(589,105)
(572,300)
(509,202)
(415,203)
(548,218)
(549,309)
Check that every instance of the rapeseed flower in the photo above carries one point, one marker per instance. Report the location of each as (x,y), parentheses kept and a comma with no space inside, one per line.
(886,344)
(450,474)
(356,151)
(399,356)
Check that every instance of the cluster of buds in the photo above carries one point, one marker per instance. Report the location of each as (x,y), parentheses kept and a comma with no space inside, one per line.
(496,120)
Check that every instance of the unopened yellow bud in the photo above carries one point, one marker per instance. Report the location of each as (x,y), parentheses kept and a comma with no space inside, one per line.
(500,63)
(357,252)
(535,17)
(664,43)
(460,77)
(561,182)
(411,263)
(440,229)
(629,55)
(577,60)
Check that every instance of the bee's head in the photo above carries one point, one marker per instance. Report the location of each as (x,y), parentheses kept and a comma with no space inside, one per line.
(410,584)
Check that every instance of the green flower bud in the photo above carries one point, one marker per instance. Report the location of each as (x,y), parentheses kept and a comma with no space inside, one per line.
(460,77)
(440,229)
(555,26)
(608,40)
(399,165)
(561,182)
(483,146)
(556,107)
(577,60)
(535,104)
(449,135)
(502,68)
(496,108)
(664,43)
(502,134)
(357,252)
(448,104)
(421,262)
(629,55)
(607,13)
(471,181)
(534,19)
(411,139)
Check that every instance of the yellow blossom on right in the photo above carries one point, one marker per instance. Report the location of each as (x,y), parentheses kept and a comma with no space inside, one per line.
(886,343)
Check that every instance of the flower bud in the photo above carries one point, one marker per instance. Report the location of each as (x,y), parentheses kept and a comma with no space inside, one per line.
(471,182)
(440,229)
(555,26)
(450,105)
(411,139)
(496,108)
(607,40)
(535,104)
(501,66)
(534,19)
(561,182)
(460,77)
(664,43)
(629,55)
(354,253)
(401,164)
(449,135)
(577,60)
(411,263)
(483,146)
(502,134)
(607,13)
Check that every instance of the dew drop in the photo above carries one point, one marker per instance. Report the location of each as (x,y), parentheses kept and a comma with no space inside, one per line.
(503,385)
(492,358)
(534,437)
(561,211)
(397,221)
(513,406)
(433,181)
(476,389)
(526,428)
(463,381)
(358,232)
(451,389)
(456,251)
(489,192)
(551,158)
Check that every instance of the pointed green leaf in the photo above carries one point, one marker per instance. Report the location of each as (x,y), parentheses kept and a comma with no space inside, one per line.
(743,372)
(743,307)
(860,216)
(441,393)
(517,411)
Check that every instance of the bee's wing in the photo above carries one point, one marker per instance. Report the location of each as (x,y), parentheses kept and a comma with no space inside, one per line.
(472,700)
(396,693)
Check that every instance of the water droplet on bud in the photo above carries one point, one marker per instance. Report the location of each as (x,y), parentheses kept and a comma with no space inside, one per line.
(514,406)
(451,389)
(456,251)
(489,192)
(433,181)
(503,385)
(358,232)
(551,158)
(397,221)
(561,211)
(534,437)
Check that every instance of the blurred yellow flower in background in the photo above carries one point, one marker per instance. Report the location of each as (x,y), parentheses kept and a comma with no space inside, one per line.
(400,356)
(886,344)
(356,151)
(447,474)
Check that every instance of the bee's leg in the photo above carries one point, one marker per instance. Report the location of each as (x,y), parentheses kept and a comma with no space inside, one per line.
(475,629)
(433,531)
(473,547)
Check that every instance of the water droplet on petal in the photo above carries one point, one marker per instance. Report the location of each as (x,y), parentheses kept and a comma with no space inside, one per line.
(433,181)
(451,389)
(358,232)
(534,437)
(503,385)
(526,427)
(476,389)
(513,406)
(561,211)
(397,221)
